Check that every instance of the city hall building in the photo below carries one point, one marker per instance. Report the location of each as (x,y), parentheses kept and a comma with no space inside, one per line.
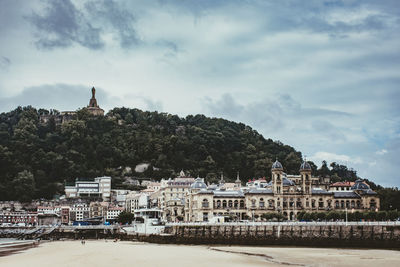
(286,194)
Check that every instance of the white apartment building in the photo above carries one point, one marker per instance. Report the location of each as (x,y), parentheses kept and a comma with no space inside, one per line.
(100,187)
(113,212)
(79,212)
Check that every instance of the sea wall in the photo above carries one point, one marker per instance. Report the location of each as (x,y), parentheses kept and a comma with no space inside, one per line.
(371,236)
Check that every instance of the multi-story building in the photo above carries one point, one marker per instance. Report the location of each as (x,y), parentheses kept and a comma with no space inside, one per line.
(113,212)
(173,194)
(98,209)
(18,217)
(99,187)
(285,195)
(137,200)
(65,210)
(79,212)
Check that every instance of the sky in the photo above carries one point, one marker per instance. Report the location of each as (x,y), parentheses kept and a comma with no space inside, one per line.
(320,75)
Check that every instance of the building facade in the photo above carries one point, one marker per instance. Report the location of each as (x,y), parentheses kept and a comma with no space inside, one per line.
(99,187)
(282,194)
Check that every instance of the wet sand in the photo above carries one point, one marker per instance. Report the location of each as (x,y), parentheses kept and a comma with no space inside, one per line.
(101,253)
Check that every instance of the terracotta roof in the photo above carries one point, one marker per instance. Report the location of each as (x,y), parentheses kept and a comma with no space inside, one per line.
(345,183)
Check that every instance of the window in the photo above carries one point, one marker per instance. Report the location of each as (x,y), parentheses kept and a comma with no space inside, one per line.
(204,204)
(218,203)
(224,203)
(372,203)
(230,204)
(242,204)
(236,204)
(253,203)
(262,204)
(321,203)
(270,203)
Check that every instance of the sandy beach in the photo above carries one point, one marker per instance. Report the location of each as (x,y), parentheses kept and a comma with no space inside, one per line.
(102,253)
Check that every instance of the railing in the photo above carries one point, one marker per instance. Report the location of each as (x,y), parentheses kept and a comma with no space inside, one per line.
(250,223)
(70,227)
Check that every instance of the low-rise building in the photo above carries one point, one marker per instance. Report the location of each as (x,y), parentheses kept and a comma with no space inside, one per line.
(18,217)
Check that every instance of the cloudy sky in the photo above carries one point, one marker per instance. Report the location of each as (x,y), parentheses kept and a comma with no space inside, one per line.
(320,75)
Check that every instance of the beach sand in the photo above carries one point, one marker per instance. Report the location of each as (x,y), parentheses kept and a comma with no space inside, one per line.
(101,253)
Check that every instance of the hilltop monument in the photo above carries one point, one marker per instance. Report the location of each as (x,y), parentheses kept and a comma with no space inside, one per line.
(93,108)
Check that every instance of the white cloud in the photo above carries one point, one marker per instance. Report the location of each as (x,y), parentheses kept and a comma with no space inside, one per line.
(381,152)
(332,157)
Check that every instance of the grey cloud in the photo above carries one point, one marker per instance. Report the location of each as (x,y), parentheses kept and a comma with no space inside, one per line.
(5,62)
(120,19)
(288,15)
(327,129)
(152,104)
(62,25)
(275,113)
(56,96)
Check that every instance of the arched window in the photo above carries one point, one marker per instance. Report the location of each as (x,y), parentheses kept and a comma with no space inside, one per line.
(262,204)
(321,203)
(342,204)
(347,204)
(337,204)
(242,204)
(230,204)
(236,204)
(271,203)
(218,203)
(224,203)
(358,204)
(353,204)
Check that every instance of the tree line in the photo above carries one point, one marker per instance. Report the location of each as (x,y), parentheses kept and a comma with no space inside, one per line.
(37,159)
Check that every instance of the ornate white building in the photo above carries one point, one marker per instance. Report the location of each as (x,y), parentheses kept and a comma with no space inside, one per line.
(286,194)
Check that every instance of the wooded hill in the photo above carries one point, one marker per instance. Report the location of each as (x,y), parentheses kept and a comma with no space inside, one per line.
(37,159)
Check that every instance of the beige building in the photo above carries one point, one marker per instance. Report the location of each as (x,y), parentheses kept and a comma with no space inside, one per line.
(173,195)
(286,194)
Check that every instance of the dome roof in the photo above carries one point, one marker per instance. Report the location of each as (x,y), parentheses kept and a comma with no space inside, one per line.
(277,165)
(360,185)
(305,166)
(198,184)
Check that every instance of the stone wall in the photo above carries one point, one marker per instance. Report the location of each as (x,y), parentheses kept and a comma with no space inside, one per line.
(372,236)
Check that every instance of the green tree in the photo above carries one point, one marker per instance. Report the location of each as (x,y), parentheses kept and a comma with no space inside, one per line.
(24,186)
(125,217)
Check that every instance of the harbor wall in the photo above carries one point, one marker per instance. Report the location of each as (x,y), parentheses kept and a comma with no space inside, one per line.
(367,236)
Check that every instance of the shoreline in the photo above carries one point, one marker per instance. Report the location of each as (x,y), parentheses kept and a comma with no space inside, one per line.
(12,247)
(106,252)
